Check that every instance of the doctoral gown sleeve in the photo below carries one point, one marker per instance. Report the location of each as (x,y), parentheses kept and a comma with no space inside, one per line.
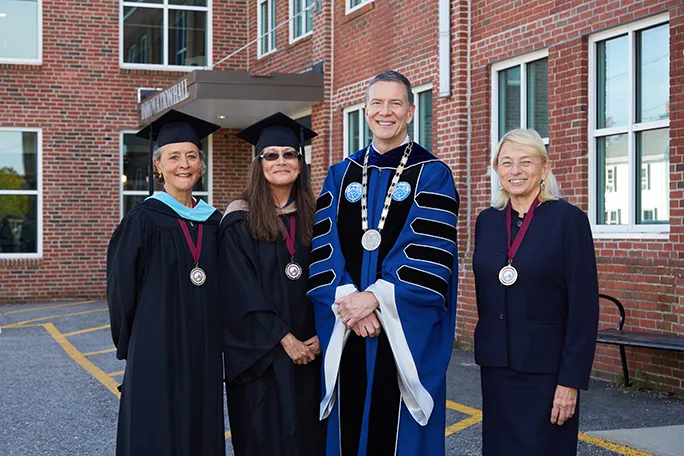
(125,273)
(329,280)
(251,324)
(418,289)
(583,302)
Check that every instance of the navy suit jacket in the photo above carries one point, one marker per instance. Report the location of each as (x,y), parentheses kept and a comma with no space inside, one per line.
(547,321)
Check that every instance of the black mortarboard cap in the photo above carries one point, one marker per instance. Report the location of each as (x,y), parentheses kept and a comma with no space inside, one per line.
(276,130)
(174,127)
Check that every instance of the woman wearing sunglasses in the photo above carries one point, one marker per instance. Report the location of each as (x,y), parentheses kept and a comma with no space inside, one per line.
(271,349)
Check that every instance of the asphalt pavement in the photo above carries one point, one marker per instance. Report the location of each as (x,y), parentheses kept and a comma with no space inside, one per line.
(58,378)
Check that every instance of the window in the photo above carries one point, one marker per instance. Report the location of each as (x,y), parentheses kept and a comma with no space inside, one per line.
(168,33)
(134,160)
(304,118)
(520,98)
(266,27)
(420,128)
(21,31)
(20,193)
(353,5)
(629,128)
(357,135)
(301,23)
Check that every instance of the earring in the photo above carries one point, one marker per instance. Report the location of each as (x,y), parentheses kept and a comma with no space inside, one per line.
(542,185)
(161,178)
(500,188)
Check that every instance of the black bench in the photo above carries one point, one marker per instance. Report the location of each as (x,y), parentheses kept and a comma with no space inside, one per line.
(635,338)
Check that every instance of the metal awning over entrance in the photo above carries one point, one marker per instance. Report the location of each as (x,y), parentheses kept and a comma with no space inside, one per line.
(234,99)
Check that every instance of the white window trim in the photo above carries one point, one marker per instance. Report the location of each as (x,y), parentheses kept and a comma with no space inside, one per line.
(165,47)
(417,93)
(38,192)
(292,22)
(345,125)
(520,61)
(272,46)
(210,187)
(632,230)
(298,115)
(36,61)
(350,9)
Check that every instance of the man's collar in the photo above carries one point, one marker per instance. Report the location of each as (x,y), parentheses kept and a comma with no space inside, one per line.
(406,140)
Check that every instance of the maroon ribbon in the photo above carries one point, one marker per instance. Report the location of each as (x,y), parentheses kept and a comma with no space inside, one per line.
(195,250)
(289,237)
(512,249)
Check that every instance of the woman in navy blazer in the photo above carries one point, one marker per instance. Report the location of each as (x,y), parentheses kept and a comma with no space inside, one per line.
(538,313)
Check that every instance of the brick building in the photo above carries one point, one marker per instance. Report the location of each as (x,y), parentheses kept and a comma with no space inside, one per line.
(602,81)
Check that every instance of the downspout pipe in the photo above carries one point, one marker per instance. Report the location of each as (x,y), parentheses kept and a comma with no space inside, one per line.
(444,48)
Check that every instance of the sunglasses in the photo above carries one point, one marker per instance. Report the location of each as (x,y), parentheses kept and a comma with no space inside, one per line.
(273,156)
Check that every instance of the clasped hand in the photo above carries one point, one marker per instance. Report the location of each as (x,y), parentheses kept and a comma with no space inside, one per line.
(301,352)
(356,310)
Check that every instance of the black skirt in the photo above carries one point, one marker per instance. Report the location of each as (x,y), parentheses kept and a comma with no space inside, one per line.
(516,415)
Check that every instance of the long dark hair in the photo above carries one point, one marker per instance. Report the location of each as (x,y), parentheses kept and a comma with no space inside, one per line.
(263,214)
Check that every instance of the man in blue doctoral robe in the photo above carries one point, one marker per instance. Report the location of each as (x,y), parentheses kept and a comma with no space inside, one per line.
(383,281)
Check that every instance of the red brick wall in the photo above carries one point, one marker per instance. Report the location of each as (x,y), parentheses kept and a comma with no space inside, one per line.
(82,100)
(645,275)
(80,80)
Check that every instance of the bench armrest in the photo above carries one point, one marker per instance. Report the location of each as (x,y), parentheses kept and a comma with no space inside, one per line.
(620,307)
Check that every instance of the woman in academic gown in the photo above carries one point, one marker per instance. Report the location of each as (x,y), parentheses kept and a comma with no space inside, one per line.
(537,301)
(161,292)
(271,349)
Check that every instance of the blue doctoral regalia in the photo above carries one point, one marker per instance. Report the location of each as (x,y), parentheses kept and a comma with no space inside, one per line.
(388,392)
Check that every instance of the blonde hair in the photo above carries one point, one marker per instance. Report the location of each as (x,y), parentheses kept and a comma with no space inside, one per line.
(530,142)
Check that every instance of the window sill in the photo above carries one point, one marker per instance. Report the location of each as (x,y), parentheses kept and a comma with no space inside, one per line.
(17,261)
(357,11)
(301,39)
(663,234)
(269,53)
(164,68)
(21,66)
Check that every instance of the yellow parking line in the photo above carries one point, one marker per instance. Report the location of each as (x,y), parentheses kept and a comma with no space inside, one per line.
(87,330)
(475,417)
(462,424)
(114,374)
(89,366)
(99,352)
(619,449)
(48,307)
(81,360)
(49,317)
(462,408)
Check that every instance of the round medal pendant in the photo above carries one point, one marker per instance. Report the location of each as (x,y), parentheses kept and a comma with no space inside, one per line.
(293,271)
(508,275)
(371,240)
(198,276)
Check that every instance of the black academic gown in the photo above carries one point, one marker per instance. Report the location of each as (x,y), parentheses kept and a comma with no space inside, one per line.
(168,331)
(272,402)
